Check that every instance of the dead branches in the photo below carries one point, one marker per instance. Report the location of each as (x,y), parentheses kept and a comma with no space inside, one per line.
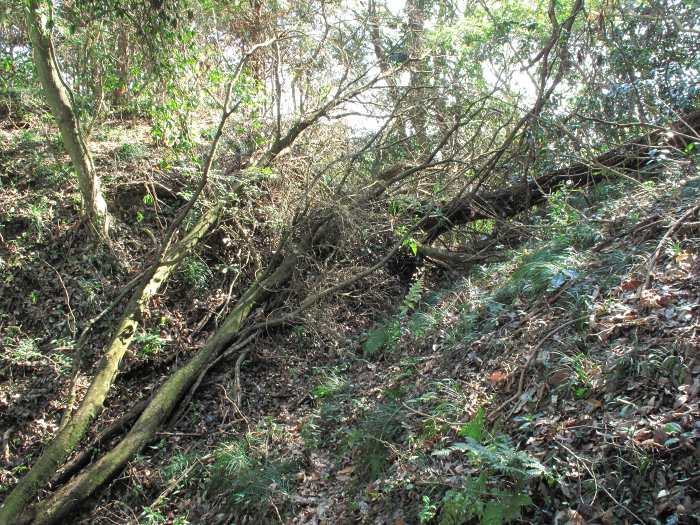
(511,201)
(652,260)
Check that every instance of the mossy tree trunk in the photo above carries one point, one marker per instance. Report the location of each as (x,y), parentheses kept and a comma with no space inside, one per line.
(75,426)
(162,405)
(167,397)
(70,434)
(57,96)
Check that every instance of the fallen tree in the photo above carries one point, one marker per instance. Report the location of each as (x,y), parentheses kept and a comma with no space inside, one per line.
(167,397)
(511,201)
(161,405)
(234,331)
(312,230)
(76,424)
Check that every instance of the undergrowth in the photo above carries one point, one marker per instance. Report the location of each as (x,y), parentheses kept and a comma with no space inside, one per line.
(423,427)
(386,335)
(371,440)
(249,478)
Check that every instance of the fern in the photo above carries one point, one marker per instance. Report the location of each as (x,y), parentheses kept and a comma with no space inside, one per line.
(547,269)
(460,506)
(248,483)
(422,322)
(484,498)
(476,500)
(371,441)
(386,335)
(232,458)
(476,427)
(501,457)
(412,298)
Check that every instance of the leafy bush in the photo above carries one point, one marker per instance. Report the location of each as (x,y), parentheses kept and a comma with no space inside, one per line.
(567,226)
(130,151)
(19,93)
(26,349)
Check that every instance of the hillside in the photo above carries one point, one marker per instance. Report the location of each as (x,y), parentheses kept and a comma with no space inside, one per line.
(402,262)
(543,385)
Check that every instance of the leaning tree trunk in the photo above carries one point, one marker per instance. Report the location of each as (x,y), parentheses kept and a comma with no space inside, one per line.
(511,201)
(169,394)
(166,398)
(57,96)
(161,406)
(75,426)
(70,434)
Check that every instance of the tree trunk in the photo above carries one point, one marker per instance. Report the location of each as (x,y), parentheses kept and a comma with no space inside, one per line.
(75,427)
(165,400)
(70,434)
(121,92)
(57,96)
(418,81)
(511,201)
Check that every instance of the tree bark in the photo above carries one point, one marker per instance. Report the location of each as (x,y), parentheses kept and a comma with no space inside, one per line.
(70,434)
(121,92)
(164,401)
(511,201)
(418,81)
(57,96)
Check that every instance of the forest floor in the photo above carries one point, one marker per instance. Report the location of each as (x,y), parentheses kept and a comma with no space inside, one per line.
(542,389)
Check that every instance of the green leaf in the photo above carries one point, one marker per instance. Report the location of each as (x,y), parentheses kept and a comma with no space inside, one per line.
(475,428)
(412,245)
(376,339)
(673,428)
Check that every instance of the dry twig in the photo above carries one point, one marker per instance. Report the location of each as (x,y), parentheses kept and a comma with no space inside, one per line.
(657,252)
(530,359)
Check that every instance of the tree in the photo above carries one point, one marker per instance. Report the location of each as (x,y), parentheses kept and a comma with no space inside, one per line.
(58,96)
(451,142)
